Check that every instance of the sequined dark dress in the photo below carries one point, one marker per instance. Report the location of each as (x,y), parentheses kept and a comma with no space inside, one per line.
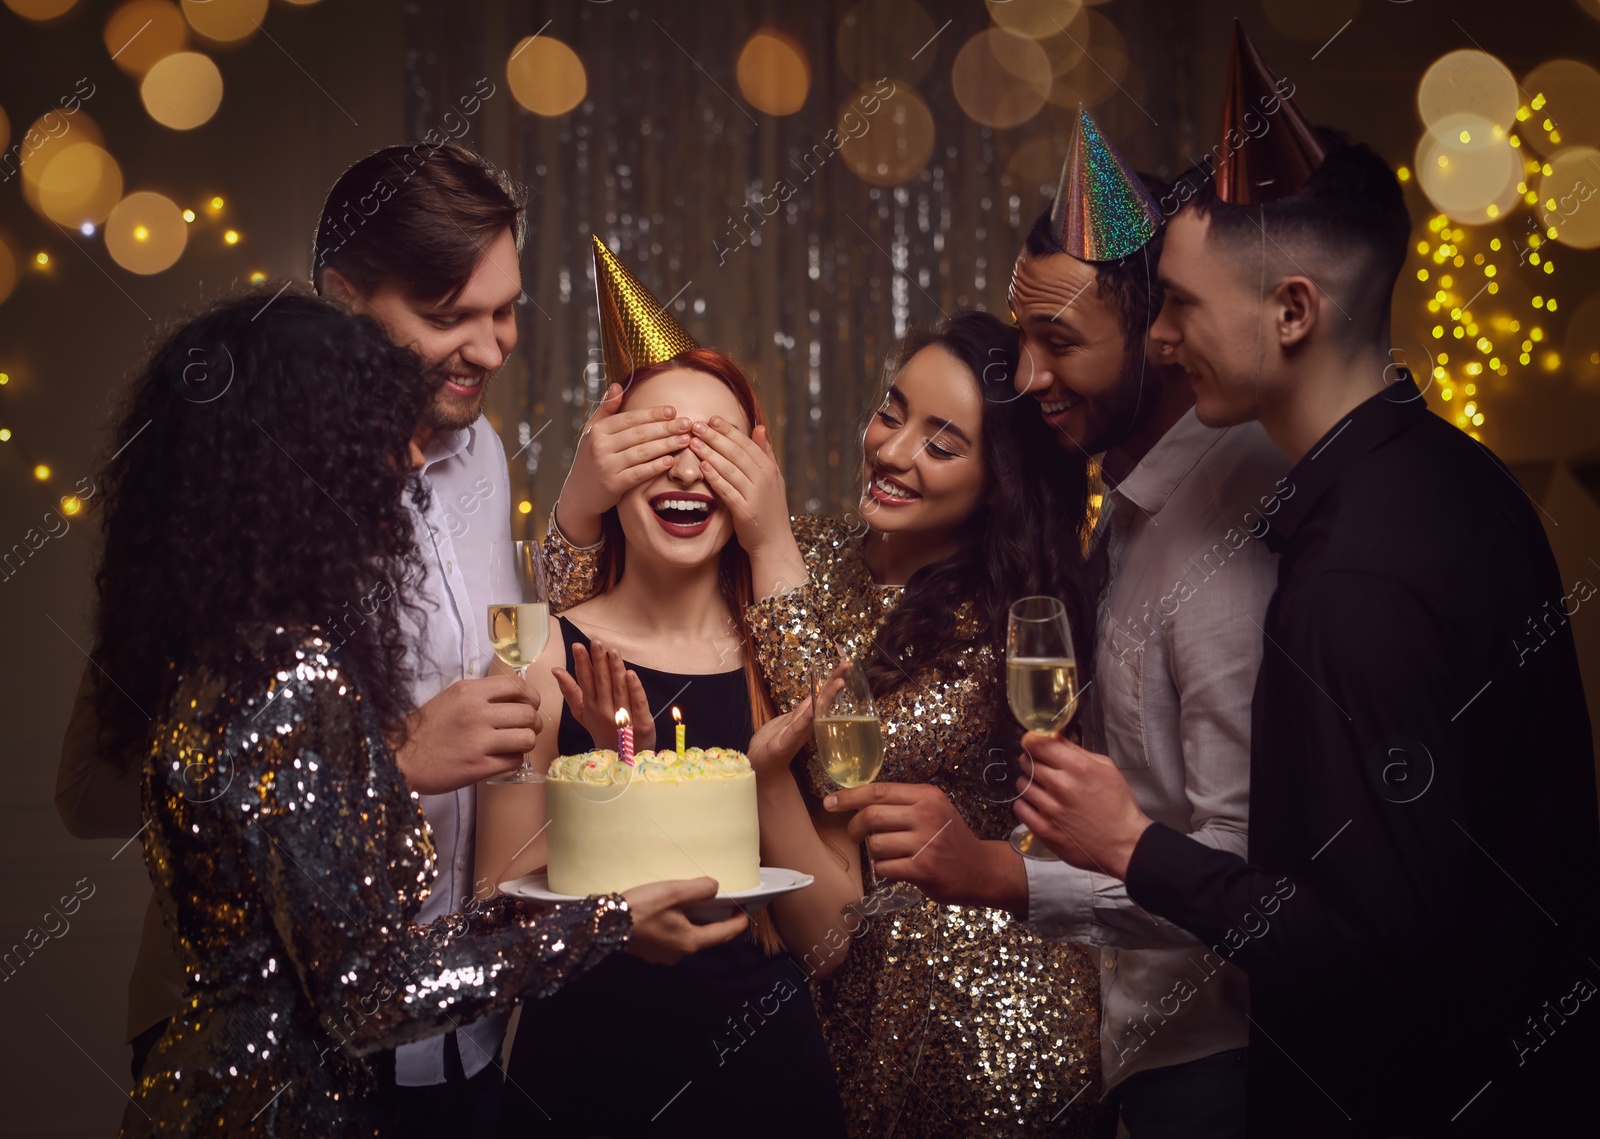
(726,1042)
(943,1020)
(288,856)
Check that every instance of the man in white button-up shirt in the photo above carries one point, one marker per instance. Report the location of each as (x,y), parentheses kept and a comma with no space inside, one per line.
(425,240)
(1178,647)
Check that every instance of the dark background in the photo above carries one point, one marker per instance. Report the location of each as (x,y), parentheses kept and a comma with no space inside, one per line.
(659,156)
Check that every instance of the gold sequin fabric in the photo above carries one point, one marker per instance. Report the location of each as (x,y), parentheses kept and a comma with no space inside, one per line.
(942,1020)
(288,857)
(570,571)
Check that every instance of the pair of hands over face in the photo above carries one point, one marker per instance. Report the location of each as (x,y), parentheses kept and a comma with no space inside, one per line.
(621,450)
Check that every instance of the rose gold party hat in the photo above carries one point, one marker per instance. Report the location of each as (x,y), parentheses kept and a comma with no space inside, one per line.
(1272,164)
(636,330)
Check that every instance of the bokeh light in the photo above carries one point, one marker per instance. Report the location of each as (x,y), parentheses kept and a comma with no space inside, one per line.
(165,233)
(8,270)
(55,131)
(225,21)
(1034,171)
(1568,93)
(1001,79)
(894,39)
(80,186)
(546,76)
(774,75)
(1310,23)
(40,9)
(1088,62)
(1036,19)
(1468,82)
(141,32)
(1468,168)
(898,139)
(182,91)
(1569,197)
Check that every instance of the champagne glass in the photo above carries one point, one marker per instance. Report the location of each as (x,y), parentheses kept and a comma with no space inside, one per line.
(1041,684)
(850,744)
(519,622)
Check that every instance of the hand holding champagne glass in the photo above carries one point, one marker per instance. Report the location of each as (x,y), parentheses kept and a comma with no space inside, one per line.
(1041,682)
(850,747)
(519,621)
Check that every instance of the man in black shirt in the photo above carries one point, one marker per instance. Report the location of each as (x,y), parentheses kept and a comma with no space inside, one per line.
(1417,910)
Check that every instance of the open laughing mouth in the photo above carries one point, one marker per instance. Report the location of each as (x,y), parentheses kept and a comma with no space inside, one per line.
(1056,409)
(890,491)
(683,515)
(464,386)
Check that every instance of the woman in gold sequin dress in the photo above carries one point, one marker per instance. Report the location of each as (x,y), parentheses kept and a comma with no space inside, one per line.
(941,1020)
(286,851)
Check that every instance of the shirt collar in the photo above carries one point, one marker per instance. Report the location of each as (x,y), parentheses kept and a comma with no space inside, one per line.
(1370,424)
(1168,463)
(448,444)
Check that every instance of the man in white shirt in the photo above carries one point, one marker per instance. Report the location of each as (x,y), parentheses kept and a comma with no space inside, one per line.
(425,240)
(1177,649)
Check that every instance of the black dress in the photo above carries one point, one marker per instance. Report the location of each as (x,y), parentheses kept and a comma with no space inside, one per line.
(726,1042)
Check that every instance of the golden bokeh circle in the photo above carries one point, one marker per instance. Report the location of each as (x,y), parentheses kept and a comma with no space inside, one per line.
(546,76)
(1310,23)
(1468,168)
(1582,342)
(81,184)
(182,91)
(887,39)
(55,130)
(225,21)
(141,32)
(1089,62)
(40,9)
(896,141)
(774,74)
(1001,79)
(8,270)
(1036,19)
(1571,93)
(146,233)
(1469,82)
(1574,185)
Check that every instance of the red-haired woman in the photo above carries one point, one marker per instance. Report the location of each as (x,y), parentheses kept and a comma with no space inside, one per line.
(731,1036)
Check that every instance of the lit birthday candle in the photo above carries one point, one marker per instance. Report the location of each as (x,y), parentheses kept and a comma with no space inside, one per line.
(677,718)
(624,737)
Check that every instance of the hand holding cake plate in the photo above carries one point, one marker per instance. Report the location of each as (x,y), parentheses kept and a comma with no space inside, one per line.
(775,882)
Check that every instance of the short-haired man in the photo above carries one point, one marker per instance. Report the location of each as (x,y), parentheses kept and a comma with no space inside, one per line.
(1416,912)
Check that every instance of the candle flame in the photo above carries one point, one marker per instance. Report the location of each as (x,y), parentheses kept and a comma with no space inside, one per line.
(677,717)
(622,718)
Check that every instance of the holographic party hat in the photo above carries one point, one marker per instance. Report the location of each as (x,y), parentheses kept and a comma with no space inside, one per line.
(1263,166)
(636,330)
(1102,211)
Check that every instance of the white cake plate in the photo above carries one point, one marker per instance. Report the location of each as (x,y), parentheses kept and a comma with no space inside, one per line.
(775,882)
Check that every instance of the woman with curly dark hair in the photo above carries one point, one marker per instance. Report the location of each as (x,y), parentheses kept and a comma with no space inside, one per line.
(256,576)
(941,1020)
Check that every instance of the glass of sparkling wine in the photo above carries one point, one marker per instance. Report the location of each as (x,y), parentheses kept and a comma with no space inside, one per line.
(850,745)
(1041,683)
(519,622)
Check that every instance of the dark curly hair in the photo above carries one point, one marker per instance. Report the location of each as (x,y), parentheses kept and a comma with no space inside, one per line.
(1027,539)
(258,479)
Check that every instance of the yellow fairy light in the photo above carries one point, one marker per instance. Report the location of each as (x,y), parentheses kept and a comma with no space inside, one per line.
(1552,361)
(1489,271)
(231,237)
(70,505)
(1444,357)
(1438,331)
(524,507)
(1538,302)
(1493,288)
(1536,335)
(4,379)
(1549,266)
(42,257)
(1422,274)
(5,434)
(41,472)
(1472,389)
(1404,174)
(141,233)
(1469,409)
(188,215)
(1477,420)
(216,203)
(257,277)
(1550,305)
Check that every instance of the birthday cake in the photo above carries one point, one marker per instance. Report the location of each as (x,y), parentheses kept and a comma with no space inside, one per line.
(615,825)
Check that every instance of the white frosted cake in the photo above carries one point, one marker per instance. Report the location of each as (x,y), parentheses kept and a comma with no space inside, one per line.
(613,827)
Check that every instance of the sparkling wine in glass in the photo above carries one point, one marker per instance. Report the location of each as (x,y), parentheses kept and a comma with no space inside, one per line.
(519,622)
(1041,683)
(850,746)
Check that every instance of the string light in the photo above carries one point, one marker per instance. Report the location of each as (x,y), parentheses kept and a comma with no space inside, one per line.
(41,472)
(188,215)
(231,237)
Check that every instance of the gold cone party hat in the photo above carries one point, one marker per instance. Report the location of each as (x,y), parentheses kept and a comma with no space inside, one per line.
(1102,210)
(1258,169)
(636,330)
